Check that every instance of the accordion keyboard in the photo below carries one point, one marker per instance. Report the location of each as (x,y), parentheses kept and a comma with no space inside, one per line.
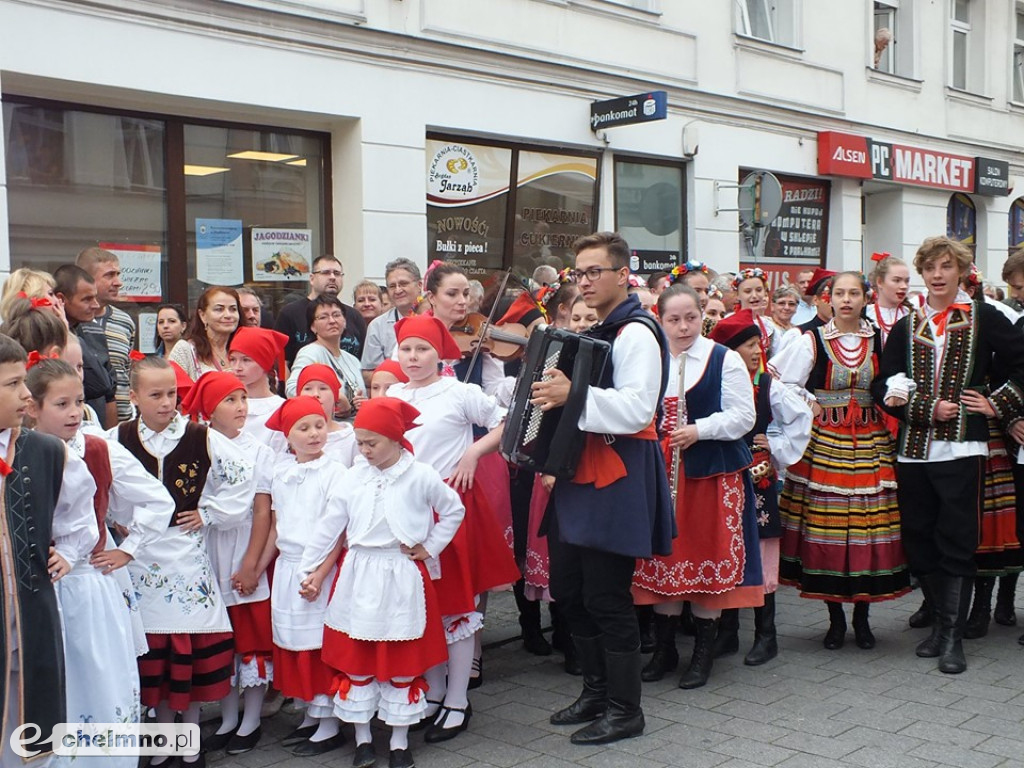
(533,424)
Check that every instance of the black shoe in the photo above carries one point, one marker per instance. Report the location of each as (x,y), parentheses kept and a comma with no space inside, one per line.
(862,633)
(955,599)
(593,700)
(168,761)
(727,641)
(836,635)
(981,611)
(312,748)
(437,733)
(364,756)
(703,657)
(400,758)
(623,718)
(645,620)
(665,657)
(215,742)
(199,762)
(298,736)
(766,645)
(239,745)
(534,642)
(923,616)
(427,719)
(1004,613)
(476,675)
(929,647)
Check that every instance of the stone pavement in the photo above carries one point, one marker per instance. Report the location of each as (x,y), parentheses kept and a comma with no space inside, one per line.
(809,708)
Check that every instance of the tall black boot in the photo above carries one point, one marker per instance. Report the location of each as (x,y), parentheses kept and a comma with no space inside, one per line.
(981,612)
(1004,613)
(666,657)
(929,647)
(862,633)
(593,701)
(924,615)
(836,635)
(766,646)
(727,641)
(686,625)
(645,620)
(529,620)
(703,657)
(623,717)
(956,600)
(562,640)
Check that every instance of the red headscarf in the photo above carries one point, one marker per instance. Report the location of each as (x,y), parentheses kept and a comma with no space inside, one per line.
(182,379)
(388,416)
(392,367)
(284,418)
(322,373)
(264,346)
(208,392)
(432,331)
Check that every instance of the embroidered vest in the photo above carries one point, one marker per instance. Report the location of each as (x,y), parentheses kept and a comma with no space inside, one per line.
(97,459)
(709,458)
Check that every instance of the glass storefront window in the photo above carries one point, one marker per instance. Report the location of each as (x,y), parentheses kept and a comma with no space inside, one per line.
(1017,223)
(649,212)
(962,220)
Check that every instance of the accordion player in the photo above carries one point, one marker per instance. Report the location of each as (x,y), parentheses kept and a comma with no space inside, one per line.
(551,441)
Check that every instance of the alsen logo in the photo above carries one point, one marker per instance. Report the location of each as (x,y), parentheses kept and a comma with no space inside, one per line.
(845,155)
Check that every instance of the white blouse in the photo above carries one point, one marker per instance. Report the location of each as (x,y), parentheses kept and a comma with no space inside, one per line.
(737,415)
(629,405)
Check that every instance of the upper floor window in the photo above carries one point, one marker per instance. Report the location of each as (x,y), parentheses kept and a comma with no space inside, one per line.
(1017,74)
(771,20)
(967,45)
(893,37)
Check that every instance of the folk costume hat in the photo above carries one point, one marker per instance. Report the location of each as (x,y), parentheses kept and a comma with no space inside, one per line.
(432,331)
(392,367)
(208,392)
(322,373)
(284,418)
(735,329)
(264,346)
(818,280)
(388,416)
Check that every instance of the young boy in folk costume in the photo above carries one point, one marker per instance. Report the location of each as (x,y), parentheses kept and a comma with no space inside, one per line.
(383,625)
(43,535)
(103,631)
(617,508)
(306,487)
(933,378)
(779,438)
(191,652)
(237,557)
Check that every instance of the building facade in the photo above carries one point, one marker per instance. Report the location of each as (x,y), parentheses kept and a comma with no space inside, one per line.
(231,141)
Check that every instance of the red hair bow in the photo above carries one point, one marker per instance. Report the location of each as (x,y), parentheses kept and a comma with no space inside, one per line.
(880,255)
(37,301)
(34,358)
(136,355)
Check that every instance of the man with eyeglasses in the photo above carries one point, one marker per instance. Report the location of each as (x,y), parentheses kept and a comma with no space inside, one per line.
(403,281)
(599,523)
(325,279)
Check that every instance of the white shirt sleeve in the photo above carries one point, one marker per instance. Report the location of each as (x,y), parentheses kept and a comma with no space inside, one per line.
(138,501)
(450,511)
(793,364)
(737,416)
(74,517)
(790,429)
(481,408)
(330,525)
(629,405)
(230,484)
(494,381)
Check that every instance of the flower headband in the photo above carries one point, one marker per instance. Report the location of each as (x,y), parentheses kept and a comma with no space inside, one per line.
(680,271)
(974,277)
(547,291)
(37,301)
(747,274)
(714,292)
(865,284)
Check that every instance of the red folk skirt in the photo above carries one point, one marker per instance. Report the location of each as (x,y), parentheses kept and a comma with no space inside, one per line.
(537,569)
(182,669)
(254,634)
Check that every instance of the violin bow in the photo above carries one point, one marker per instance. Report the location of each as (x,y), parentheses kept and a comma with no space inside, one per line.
(487,325)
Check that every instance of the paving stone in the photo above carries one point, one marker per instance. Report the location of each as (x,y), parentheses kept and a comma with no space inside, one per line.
(498,754)
(754,751)
(944,734)
(961,758)
(930,714)
(879,757)
(871,737)
(1000,745)
(819,726)
(816,745)
(611,759)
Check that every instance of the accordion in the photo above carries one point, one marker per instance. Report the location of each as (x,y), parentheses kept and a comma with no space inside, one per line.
(550,441)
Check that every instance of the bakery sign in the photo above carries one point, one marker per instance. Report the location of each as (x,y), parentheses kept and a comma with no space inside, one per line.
(861,157)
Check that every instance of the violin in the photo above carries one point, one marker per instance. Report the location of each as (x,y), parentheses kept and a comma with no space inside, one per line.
(505,342)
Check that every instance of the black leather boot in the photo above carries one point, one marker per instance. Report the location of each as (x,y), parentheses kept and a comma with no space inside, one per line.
(929,647)
(1004,613)
(529,621)
(593,701)
(923,616)
(562,640)
(981,611)
(956,600)
(703,657)
(686,625)
(766,646)
(645,620)
(666,657)
(836,634)
(862,633)
(623,717)
(727,641)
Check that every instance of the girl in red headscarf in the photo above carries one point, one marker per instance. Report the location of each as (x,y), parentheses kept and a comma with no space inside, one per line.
(383,625)
(237,555)
(254,354)
(479,559)
(319,381)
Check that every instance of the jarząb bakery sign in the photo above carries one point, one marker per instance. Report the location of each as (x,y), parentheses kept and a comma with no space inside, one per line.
(861,157)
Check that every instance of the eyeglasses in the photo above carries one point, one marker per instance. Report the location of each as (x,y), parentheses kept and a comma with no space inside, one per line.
(330,272)
(591,273)
(403,284)
(336,316)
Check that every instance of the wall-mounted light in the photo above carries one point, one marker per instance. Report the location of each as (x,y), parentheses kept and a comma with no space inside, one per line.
(204,170)
(270,157)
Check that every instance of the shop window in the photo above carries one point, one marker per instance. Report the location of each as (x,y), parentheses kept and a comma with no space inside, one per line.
(893,39)
(1017,223)
(770,20)
(649,212)
(962,220)
(966,45)
(491,207)
(1017,72)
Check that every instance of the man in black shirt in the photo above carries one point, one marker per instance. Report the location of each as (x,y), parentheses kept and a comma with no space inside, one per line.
(326,278)
(77,290)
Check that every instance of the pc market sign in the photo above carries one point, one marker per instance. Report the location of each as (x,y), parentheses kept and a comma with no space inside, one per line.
(627,110)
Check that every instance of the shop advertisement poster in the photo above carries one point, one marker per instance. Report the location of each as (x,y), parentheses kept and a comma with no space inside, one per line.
(799,234)
(219,258)
(281,254)
(146,334)
(140,271)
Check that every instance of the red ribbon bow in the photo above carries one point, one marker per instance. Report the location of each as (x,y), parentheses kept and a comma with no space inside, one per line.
(36,301)
(342,684)
(136,355)
(454,626)
(261,660)
(942,317)
(417,688)
(5,468)
(34,358)
(878,256)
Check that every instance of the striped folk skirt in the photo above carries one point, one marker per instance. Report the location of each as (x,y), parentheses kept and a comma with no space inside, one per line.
(183,669)
(999,552)
(840,520)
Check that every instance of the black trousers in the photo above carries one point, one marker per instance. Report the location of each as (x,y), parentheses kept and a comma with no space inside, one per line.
(940,512)
(592,589)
